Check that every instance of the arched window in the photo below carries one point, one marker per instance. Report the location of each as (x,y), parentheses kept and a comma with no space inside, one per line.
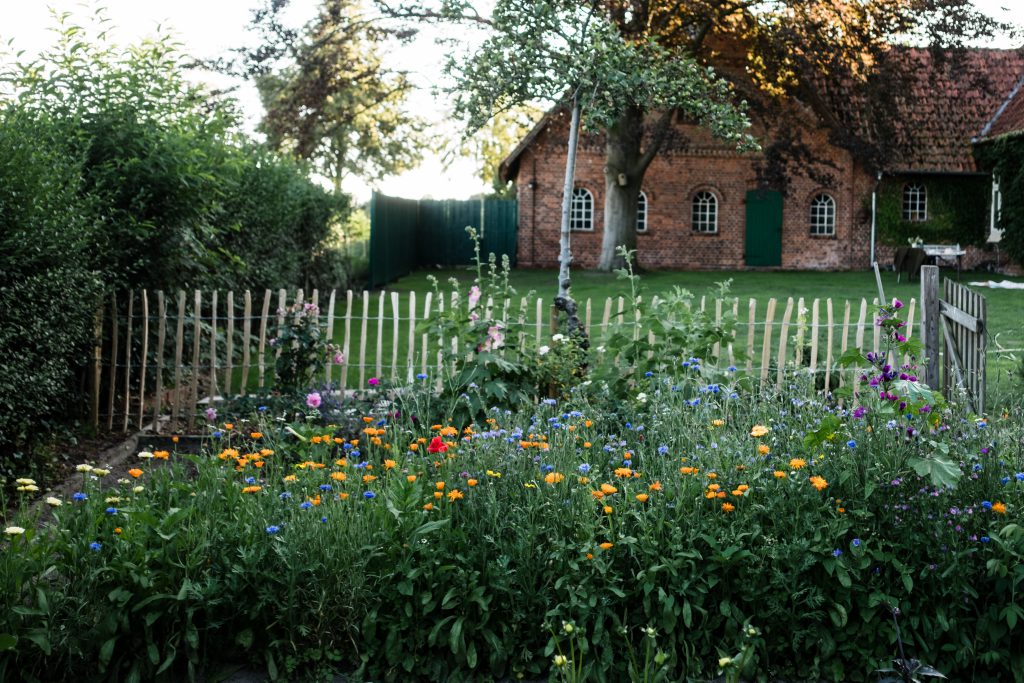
(823,215)
(641,213)
(581,216)
(915,203)
(704,214)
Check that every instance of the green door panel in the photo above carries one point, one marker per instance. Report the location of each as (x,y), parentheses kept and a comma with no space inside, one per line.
(763,246)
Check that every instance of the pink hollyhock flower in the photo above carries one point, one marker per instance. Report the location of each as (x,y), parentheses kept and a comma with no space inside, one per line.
(211,414)
(474,296)
(373,381)
(313,399)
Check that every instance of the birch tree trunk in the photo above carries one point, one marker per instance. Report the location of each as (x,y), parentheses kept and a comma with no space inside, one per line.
(564,300)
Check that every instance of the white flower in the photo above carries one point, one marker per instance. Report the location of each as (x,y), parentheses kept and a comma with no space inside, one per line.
(543,350)
(28,487)
(139,489)
(600,349)
(24,481)
(642,397)
(14,531)
(558,337)
(145,455)
(100,473)
(84,468)
(54,502)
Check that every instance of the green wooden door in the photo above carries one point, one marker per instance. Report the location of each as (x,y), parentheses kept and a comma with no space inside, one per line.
(764,228)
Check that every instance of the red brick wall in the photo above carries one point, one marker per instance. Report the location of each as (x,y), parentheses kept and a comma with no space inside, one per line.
(670,183)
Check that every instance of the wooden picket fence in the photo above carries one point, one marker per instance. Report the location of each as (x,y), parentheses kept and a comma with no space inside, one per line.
(159,359)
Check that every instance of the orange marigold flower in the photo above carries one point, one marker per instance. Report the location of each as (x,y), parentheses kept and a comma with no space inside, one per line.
(656,486)
(174,439)
(598,495)
(553,477)
(728,507)
(256,435)
(367,478)
(717,423)
(797,463)
(265,452)
(390,464)
(228,426)
(627,456)
(759,431)
(455,495)
(999,508)
(709,495)
(688,470)
(590,556)
(438,495)
(841,510)
(341,462)
(290,477)
(607,509)
(257,463)
(608,489)
(252,489)
(714,487)
(819,483)
(742,487)
(588,423)
(606,545)
(315,501)
(642,497)
(414,447)
(449,431)
(720,494)
(342,496)
(117,530)
(339,476)
(314,439)
(135,472)
(439,486)
(779,474)
(471,482)
(410,478)
(163,455)
(712,475)
(584,480)
(367,419)
(586,444)
(763,449)
(428,507)
(623,472)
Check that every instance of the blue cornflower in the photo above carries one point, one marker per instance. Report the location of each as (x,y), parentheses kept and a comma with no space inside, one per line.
(285,495)
(648,374)
(584,468)
(217,434)
(627,463)
(355,453)
(250,480)
(1004,481)
(369,495)
(262,409)
(851,443)
(79,496)
(986,504)
(325,487)
(95,545)
(361,465)
(686,363)
(731,368)
(323,519)
(1019,476)
(346,446)
(856,543)
(305,505)
(547,468)
(629,425)
(837,552)
(550,401)
(976,467)
(734,395)
(421,375)
(663,449)
(381,423)
(111,511)
(985,539)
(272,529)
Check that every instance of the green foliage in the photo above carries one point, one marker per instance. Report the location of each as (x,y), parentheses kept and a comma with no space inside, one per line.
(1005,158)
(303,351)
(957,212)
(116,173)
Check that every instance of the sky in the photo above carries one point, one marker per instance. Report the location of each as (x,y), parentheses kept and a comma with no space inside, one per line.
(210,28)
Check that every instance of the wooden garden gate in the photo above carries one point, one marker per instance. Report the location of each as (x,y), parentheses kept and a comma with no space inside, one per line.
(960,316)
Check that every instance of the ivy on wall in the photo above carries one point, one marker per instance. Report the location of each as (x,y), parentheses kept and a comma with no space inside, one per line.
(957,210)
(1005,158)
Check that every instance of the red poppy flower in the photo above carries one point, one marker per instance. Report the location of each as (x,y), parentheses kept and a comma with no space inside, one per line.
(437,445)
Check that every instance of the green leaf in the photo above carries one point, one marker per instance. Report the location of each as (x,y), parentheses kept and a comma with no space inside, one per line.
(8,641)
(853,357)
(106,652)
(244,638)
(940,470)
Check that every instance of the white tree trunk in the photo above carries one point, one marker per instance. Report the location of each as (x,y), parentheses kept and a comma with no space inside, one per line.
(565,253)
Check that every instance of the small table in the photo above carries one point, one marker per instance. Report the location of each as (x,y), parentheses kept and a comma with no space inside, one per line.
(937,252)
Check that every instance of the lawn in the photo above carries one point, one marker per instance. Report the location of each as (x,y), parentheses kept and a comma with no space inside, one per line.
(1005,328)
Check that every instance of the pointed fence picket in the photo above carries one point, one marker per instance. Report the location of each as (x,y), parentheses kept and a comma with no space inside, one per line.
(144,377)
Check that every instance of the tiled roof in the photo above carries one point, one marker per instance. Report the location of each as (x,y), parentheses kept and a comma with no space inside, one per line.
(1009,118)
(939,111)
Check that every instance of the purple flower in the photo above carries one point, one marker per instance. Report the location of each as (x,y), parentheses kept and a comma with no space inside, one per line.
(373,381)
(837,552)
(211,414)
(897,304)
(313,399)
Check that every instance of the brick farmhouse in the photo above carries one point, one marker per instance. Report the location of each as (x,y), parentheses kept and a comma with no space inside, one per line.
(705,206)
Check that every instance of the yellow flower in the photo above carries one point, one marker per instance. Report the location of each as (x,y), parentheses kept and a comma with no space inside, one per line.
(553,477)
(455,495)
(291,477)
(339,476)
(608,489)
(24,481)
(759,431)
(496,475)
(728,507)
(252,489)
(717,423)
(54,502)
(623,472)
(560,661)
(607,509)
(763,449)
(642,497)
(389,464)
(656,486)
(367,478)
(797,463)
(819,483)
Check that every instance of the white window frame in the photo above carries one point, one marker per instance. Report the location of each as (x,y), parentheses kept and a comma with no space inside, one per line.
(641,212)
(704,213)
(823,215)
(915,202)
(581,213)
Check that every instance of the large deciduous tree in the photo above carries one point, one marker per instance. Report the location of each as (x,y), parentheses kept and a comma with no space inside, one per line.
(786,48)
(329,98)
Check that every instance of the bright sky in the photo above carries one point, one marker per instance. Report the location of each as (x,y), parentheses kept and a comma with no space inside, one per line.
(209,28)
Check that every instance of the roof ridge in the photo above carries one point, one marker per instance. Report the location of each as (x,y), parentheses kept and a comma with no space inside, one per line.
(1006,102)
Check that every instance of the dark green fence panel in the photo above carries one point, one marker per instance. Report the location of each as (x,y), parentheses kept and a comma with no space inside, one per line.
(406,234)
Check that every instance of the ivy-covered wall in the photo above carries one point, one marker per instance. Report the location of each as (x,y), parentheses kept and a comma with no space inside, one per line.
(958,210)
(1004,157)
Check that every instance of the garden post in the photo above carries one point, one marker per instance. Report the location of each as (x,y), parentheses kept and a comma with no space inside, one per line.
(930,323)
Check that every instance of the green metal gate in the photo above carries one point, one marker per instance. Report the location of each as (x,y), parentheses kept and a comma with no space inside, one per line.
(406,234)
(763,245)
